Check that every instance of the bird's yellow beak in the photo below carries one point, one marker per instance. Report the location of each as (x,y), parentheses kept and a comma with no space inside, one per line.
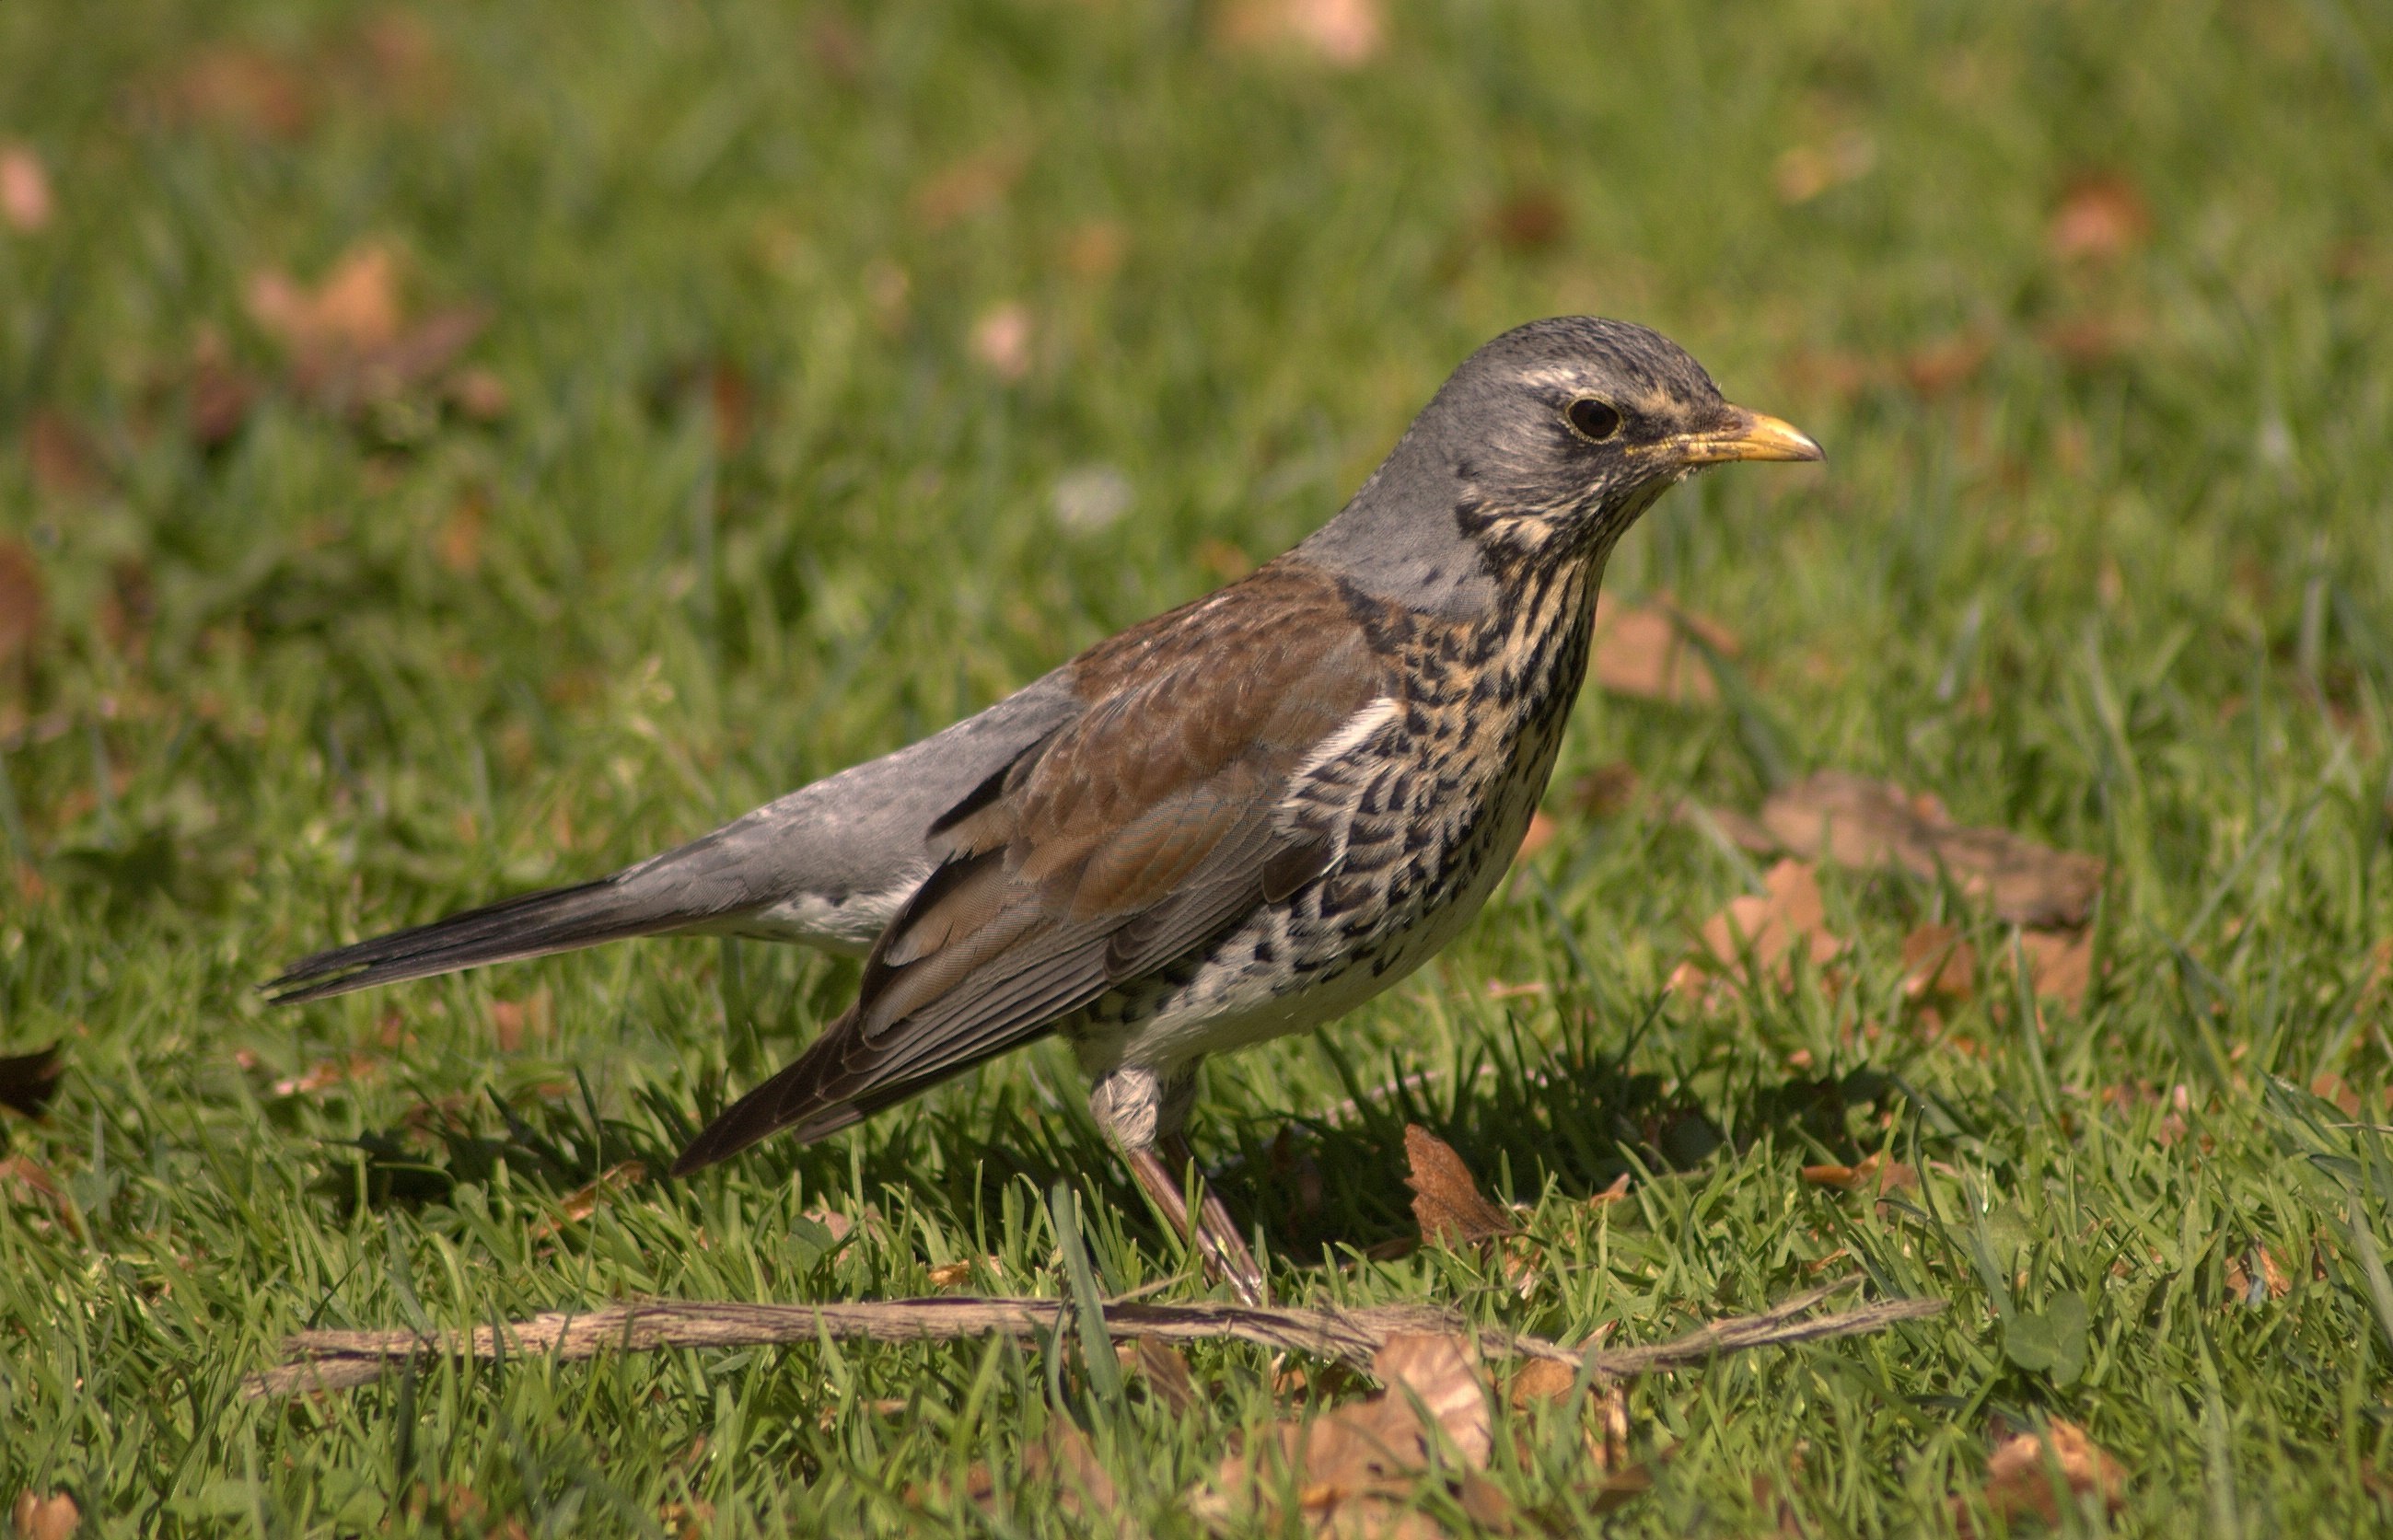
(1746,435)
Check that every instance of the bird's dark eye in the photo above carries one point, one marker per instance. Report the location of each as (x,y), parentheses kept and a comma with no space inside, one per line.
(1593,419)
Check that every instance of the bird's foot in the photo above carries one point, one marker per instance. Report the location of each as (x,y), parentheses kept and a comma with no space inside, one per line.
(1214,1234)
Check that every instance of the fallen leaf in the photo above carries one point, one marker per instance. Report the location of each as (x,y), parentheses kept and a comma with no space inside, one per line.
(1605,791)
(51,1517)
(25,200)
(326,1074)
(1643,650)
(242,89)
(1537,836)
(1164,1372)
(29,1081)
(1096,250)
(1530,221)
(1874,1172)
(1772,926)
(1224,560)
(1861,823)
(1440,1368)
(1344,33)
(583,1202)
(972,186)
(348,339)
(2099,217)
(951,1274)
(24,602)
(1446,1201)
(1000,340)
(1940,366)
(64,460)
(839,1224)
(458,548)
(30,1184)
(2245,1287)
(1067,1459)
(479,393)
(1938,963)
(356,305)
(2018,1480)
(1356,1467)
(516,1023)
(2059,964)
(219,394)
(1805,171)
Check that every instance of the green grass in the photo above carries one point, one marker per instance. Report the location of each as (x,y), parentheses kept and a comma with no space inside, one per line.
(2129,597)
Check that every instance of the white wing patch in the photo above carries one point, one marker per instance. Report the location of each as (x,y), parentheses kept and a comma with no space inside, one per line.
(1352,734)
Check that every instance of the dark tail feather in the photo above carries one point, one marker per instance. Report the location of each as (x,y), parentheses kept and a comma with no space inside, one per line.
(532,925)
(818,1095)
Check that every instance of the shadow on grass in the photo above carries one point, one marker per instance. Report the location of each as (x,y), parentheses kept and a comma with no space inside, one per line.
(1519,1111)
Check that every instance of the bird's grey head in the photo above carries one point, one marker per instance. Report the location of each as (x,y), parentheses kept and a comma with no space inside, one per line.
(1543,446)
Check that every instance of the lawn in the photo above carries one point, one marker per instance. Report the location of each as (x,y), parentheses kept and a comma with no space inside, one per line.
(449,450)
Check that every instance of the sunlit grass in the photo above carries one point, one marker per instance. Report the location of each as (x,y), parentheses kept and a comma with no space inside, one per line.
(2101,556)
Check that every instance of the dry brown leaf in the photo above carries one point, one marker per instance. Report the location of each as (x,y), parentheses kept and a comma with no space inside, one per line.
(1002,338)
(1164,1371)
(26,1181)
(2099,218)
(1804,171)
(1066,1459)
(1540,1379)
(973,185)
(1954,360)
(1096,250)
(1537,836)
(1861,823)
(356,307)
(1786,917)
(24,602)
(325,1074)
(64,460)
(516,1023)
(1605,791)
(2059,964)
(347,338)
(1874,1172)
(1446,1201)
(1643,650)
(1343,33)
(47,1517)
(25,200)
(1442,1369)
(1354,1467)
(219,394)
(951,1274)
(2019,1482)
(29,1081)
(242,90)
(1530,221)
(2273,1282)
(1939,964)
(583,1202)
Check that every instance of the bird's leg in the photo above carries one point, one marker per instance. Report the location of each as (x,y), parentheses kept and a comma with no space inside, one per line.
(1215,1238)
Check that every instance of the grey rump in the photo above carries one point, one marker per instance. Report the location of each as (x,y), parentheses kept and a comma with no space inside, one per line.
(1235,820)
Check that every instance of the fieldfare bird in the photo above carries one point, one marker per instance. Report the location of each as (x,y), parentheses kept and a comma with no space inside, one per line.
(1240,819)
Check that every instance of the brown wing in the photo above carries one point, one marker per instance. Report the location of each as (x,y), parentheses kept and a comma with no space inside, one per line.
(1138,832)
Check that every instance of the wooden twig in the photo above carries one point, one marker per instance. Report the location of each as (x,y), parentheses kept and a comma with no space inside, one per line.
(340,1359)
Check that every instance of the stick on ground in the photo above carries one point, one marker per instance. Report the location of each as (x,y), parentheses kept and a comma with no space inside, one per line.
(340,1359)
